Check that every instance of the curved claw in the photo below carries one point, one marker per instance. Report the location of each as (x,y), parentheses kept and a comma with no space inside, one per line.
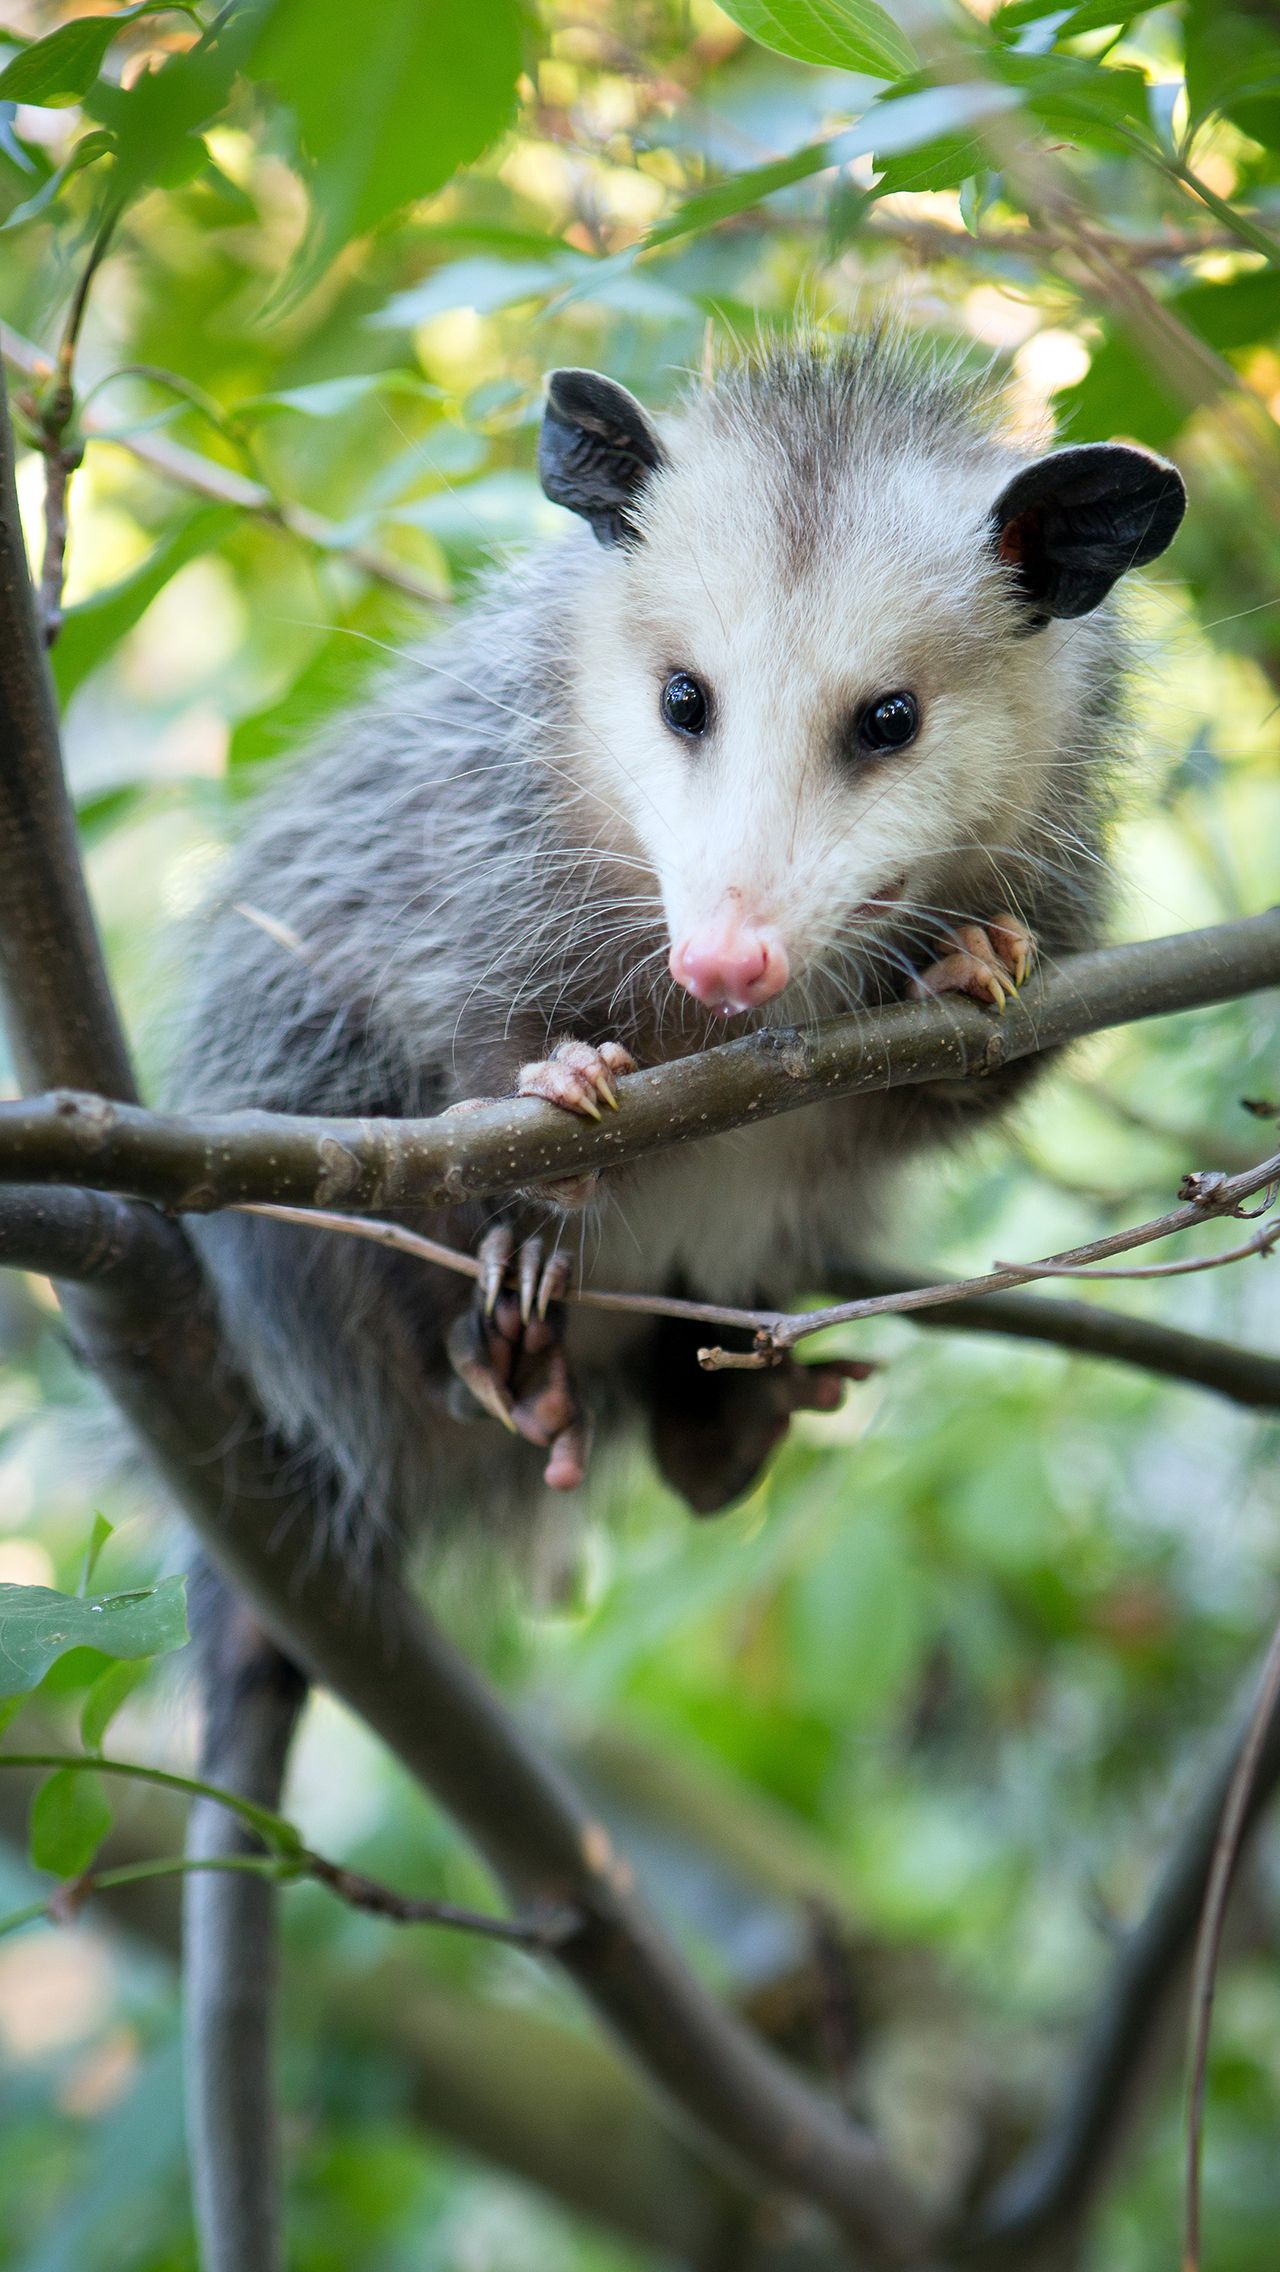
(986,960)
(555,1282)
(508,1352)
(494,1254)
(576,1076)
(467,1351)
(530,1276)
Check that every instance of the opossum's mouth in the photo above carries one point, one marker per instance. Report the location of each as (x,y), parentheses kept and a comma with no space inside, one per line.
(885,898)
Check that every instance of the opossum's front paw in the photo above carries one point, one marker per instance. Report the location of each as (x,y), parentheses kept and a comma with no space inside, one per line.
(509,1351)
(987,960)
(579,1077)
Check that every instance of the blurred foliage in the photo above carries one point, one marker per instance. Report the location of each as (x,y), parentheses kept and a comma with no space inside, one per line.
(958,1664)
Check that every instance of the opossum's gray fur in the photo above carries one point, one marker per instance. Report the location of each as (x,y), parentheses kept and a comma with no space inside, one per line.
(455,879)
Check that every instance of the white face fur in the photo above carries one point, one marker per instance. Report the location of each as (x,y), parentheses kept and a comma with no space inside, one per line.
(797,601)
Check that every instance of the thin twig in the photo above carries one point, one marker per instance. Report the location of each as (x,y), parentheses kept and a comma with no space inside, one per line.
(222,485)
(1245,1376)
(53,412)
(1226,1854)
(286,1859)
(549,1931)
(1036,2207)
(1262,1242)
(779,1331)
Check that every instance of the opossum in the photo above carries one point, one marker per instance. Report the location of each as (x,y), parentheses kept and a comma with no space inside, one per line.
(820,707)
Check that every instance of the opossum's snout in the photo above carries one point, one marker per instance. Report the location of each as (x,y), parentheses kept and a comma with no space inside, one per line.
(730,963)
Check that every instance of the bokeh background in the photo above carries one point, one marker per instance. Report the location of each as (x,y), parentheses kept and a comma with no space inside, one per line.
(948,1679)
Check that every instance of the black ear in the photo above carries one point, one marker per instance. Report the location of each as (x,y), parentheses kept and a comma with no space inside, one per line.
(1076,520)
(596,451)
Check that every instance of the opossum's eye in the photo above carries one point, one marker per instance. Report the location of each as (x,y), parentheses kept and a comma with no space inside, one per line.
(889,723)
(685,705)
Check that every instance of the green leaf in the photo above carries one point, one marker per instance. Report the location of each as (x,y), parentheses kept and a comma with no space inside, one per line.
(109,1691)
(388,110)
(59,70)
(98,1537)
(1079,99)
(904,122)
(1233,67)
(480,283)
(93,630)
(37,1626)
(329,398)
(70,1817)
(938,165)
(157,121)
(87,151)
(847,35)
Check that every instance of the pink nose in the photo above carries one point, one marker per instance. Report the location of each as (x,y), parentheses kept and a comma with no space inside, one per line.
(731,965)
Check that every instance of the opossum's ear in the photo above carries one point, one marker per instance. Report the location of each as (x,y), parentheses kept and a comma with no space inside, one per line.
(1077,519)
(596,451)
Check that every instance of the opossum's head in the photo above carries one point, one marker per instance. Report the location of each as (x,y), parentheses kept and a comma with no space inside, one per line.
(830,654)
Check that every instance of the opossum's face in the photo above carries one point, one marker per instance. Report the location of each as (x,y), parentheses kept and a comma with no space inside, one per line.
(828,679)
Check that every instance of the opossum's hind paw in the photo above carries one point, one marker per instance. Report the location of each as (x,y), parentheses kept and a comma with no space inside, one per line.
(713,1432)
(577,1076)
(987,960)
(508,1350)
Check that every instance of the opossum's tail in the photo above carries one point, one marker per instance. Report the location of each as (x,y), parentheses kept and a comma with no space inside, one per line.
(252,1700)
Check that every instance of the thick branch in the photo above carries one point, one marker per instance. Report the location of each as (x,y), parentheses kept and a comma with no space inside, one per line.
(367,1166)
(162,1361)
(58,1007)
(85,1237)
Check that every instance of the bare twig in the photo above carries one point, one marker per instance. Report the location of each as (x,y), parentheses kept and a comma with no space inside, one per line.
(52,411)
(1262,1242)
(285,1860)
(1226,1854)
(938,240)
(778,1331)
(1246,1376)
(1051,2190)
(1223,1196)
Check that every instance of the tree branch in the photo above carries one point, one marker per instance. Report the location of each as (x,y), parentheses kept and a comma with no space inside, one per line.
(1051,2191)
(1244,1375)
(1205,1195)
(58,1006)
(222,485)
(163,1362)
(284,1861)
(199,1162)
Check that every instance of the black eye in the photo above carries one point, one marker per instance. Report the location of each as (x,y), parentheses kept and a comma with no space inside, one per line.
(889,723)
(685,705)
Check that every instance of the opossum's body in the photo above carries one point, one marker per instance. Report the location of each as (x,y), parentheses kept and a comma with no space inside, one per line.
(502,848)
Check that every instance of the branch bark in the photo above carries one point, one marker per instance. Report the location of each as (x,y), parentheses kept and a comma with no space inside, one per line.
(161,1360)
(370,1166)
